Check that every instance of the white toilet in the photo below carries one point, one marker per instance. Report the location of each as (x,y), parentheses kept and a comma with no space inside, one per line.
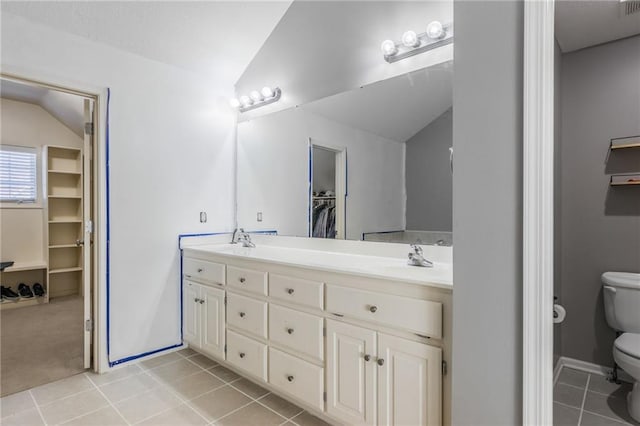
(622,309)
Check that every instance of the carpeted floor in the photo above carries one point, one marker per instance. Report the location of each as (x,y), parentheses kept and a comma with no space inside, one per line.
(40,344)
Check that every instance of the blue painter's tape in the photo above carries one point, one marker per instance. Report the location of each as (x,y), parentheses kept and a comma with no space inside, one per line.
(108,228)
(131,358)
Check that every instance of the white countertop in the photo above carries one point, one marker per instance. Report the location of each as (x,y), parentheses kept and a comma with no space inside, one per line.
(381,267)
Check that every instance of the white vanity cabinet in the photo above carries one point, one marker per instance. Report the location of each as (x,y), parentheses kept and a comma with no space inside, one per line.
(350,349)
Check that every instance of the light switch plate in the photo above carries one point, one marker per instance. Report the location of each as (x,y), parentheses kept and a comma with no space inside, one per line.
(203,217)
(259,217)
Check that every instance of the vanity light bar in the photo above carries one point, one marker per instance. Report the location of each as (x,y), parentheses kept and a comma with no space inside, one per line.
(256,99)
(436,35)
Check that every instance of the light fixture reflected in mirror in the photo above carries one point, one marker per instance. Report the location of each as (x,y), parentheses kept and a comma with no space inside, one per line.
(256,99)
(436,35)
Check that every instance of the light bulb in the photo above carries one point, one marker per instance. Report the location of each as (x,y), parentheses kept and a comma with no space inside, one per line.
(256,96)
(267,92)
(388,47)
(245,101)
(410,39)
(235,103)
(435,30)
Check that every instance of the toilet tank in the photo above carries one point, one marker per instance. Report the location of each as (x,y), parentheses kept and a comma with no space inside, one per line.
(622,300)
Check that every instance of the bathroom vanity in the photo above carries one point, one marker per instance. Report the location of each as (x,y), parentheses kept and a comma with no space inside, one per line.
(354,338)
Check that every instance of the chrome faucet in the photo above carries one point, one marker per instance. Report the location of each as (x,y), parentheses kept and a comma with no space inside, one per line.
(417,259)
(239,236)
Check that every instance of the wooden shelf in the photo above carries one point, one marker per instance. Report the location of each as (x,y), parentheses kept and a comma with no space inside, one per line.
(64,172)
(627,179)
(626,146)
(66,221)
(26,266)
(59,246)
(624,183)
(625,143)
(72,197)
(63,270)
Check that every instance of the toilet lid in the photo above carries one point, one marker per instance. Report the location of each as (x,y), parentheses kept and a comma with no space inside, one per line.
(622,279)
(629,343)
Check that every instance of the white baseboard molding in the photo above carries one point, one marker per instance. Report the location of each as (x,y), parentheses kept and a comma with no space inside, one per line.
(587,367)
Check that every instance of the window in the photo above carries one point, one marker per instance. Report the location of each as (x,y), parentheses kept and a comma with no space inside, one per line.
(18,175)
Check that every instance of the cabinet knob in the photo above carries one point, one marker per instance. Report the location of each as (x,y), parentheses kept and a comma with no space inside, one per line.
(367,358)
(241,354)
(373,308)
(290,378)
(242,314)
(200,269)
(290,330)
(380,361)
(196,300)
(242,280)
(201,301)
(290,290)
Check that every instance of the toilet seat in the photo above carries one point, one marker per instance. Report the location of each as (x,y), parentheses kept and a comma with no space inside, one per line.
(629,344)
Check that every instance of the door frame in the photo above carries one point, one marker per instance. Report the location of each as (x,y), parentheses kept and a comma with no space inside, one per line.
(538,226)
(99,174)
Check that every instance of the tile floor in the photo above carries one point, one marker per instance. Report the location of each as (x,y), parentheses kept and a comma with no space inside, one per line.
(180,388)
(585,399)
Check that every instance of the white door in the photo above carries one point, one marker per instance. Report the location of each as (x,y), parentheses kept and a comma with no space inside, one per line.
(409,382)
(351,373)
(213,317)
(87,230)
(191,311)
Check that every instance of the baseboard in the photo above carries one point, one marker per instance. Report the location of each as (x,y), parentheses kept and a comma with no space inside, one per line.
(587,367)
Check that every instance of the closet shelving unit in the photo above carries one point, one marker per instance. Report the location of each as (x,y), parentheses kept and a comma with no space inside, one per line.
(64,220)
(620,145)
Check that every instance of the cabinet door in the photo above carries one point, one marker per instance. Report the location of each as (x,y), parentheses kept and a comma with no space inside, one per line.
(191,314)
(351,378)
(213,321)
(409,382)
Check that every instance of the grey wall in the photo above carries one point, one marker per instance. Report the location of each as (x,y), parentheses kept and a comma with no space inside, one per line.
(428,176)
(557,194)
(487,213)
(600,225)
(324,169)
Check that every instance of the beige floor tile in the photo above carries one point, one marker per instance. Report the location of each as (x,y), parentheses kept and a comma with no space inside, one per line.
(62,388)
(568,395)
(280,405)
(29,417)
(12,404)
(225,374)
(175,371)
(195,385)
(252,414)
(565,416)
(104,417)
(608,406)
(307,419)
(248,387)
(160,360)
(147,404)
(572,377)
(589,419)
(126,388)
(73,406)
(112,376)
(187,352)
(182,415)
(220,402)
(203,361)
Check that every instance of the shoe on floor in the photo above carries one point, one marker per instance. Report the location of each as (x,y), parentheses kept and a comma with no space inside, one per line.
(25,291)
(38,290)
(8,294)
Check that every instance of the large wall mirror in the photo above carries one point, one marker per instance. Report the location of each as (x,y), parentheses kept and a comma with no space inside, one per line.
(373,163)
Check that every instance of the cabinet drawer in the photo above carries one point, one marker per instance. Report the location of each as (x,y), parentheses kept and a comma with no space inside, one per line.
(247,314)
(247,354)
(296,290)
(247,279)
(418,316)
(299,331)
(201,269)
(297,378)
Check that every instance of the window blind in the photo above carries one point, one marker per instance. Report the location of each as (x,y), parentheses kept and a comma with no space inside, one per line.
(18,174)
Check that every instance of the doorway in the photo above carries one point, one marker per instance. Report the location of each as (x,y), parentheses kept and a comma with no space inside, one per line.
(327,190)
(47,216)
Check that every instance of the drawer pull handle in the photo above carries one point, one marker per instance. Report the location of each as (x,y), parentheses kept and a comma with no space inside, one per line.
(290,378)
(373,308)
(290,330)
(201,301)
(242,314)
(196,300)
(200,270)
(242,280)
(241,354)
(290,290)
(380,362)
(367,358)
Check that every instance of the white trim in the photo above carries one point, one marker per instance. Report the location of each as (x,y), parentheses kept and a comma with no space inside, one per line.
(537,358)
(587,367)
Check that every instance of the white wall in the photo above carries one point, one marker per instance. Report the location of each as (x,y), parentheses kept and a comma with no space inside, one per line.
(22,225)
(273,174)
(171,146)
